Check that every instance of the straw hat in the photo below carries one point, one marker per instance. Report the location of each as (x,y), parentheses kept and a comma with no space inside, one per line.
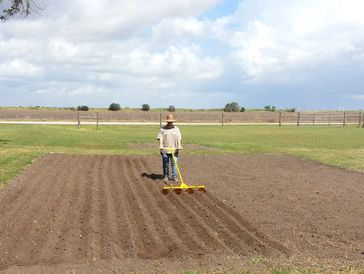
(170,118)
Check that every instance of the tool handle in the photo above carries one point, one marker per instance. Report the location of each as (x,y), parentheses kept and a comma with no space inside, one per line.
(171,148)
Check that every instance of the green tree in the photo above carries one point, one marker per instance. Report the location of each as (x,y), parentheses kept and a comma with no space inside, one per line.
(171,109)
(270,108)
(232,107)
(22,7)
(291,110)
(114,107)
(242,109)
(145,107)
(82,108)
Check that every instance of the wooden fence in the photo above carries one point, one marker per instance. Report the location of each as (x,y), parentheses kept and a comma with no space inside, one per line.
(224,118)
(337,118)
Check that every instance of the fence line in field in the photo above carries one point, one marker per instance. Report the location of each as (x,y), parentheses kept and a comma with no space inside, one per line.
(279,118)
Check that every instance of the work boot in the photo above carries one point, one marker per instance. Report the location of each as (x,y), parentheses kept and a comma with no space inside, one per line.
(175,179)
(165,179)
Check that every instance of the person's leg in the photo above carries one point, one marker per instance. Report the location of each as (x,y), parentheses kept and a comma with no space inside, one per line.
(174,168)
(165,161)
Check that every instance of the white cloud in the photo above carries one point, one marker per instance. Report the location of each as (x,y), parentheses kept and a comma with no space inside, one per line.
(103,50)
(60,91)
(176,62)
(105,42)
(281,42)
(355,96)
(19,68)
(63,50)
(185,28)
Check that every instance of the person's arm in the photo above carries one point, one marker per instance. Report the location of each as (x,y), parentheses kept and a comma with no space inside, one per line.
(160,138)
(161,143)
(179,140)
(179,143)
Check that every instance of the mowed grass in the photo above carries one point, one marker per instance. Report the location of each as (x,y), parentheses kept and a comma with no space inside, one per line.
(22,144)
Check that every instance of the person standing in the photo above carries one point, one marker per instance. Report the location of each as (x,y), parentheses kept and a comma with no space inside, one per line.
(169,136)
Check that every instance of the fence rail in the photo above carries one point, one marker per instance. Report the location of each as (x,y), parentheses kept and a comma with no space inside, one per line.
(223,118)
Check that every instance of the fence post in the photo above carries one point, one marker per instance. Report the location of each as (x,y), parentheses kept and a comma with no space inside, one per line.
(97,120)
(298,118)
(160,119)
(222,119)
(280,118)
(78,120)
(329,119)
(344,120)
(359,118)
(313,119)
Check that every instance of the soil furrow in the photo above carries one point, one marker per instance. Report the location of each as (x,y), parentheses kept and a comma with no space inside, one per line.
(45,235)
(42,233)
(15,239)
(39,183)
(172,243)
(18,197)
(66,240)
(208,231)
(182,222)
(128,212)
(203,231)
(191,229)
(107,213)
(176,221)
(232,237)
(141,244)
(103,210)
(94,238)
(206,234)
(161,217)
(87,191)
(122,236)
(154,246)
(247,226)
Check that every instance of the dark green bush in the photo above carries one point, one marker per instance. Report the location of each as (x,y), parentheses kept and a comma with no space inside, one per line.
(232,107)
(145,107)
(171,109)
(82,108)
(114,107)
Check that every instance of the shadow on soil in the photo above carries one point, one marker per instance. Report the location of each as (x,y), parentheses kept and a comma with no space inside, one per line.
(152,176)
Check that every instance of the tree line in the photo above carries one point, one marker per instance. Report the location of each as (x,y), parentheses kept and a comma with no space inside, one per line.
(229,107)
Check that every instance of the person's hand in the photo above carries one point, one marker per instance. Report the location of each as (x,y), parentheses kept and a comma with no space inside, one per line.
(180,148)
(161,148)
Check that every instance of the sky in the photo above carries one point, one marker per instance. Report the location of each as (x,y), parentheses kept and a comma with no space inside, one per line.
(303,54)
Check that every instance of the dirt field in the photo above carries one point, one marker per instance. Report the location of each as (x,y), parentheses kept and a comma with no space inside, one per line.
(104,213)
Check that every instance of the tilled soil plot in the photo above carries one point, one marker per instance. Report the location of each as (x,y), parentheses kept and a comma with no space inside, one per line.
(70,212)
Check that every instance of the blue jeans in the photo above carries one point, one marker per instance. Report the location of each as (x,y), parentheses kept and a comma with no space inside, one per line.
(167,157)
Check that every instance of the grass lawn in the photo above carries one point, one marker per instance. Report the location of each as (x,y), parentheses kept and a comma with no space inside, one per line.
(22,144)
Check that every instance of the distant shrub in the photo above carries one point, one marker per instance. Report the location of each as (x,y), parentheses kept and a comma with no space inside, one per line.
(291,110)
(145,107)
(232,107)
(171,109)
(69,108)
(114,107)
(242,109)
(82,108)
(270,108)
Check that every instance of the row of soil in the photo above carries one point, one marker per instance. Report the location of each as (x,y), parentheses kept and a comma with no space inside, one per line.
(69,209)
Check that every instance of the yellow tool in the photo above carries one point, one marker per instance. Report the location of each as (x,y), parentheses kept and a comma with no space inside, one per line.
(183,186)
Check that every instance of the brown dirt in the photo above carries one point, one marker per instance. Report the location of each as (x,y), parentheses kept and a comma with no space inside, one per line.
(103,213)
(189,147)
